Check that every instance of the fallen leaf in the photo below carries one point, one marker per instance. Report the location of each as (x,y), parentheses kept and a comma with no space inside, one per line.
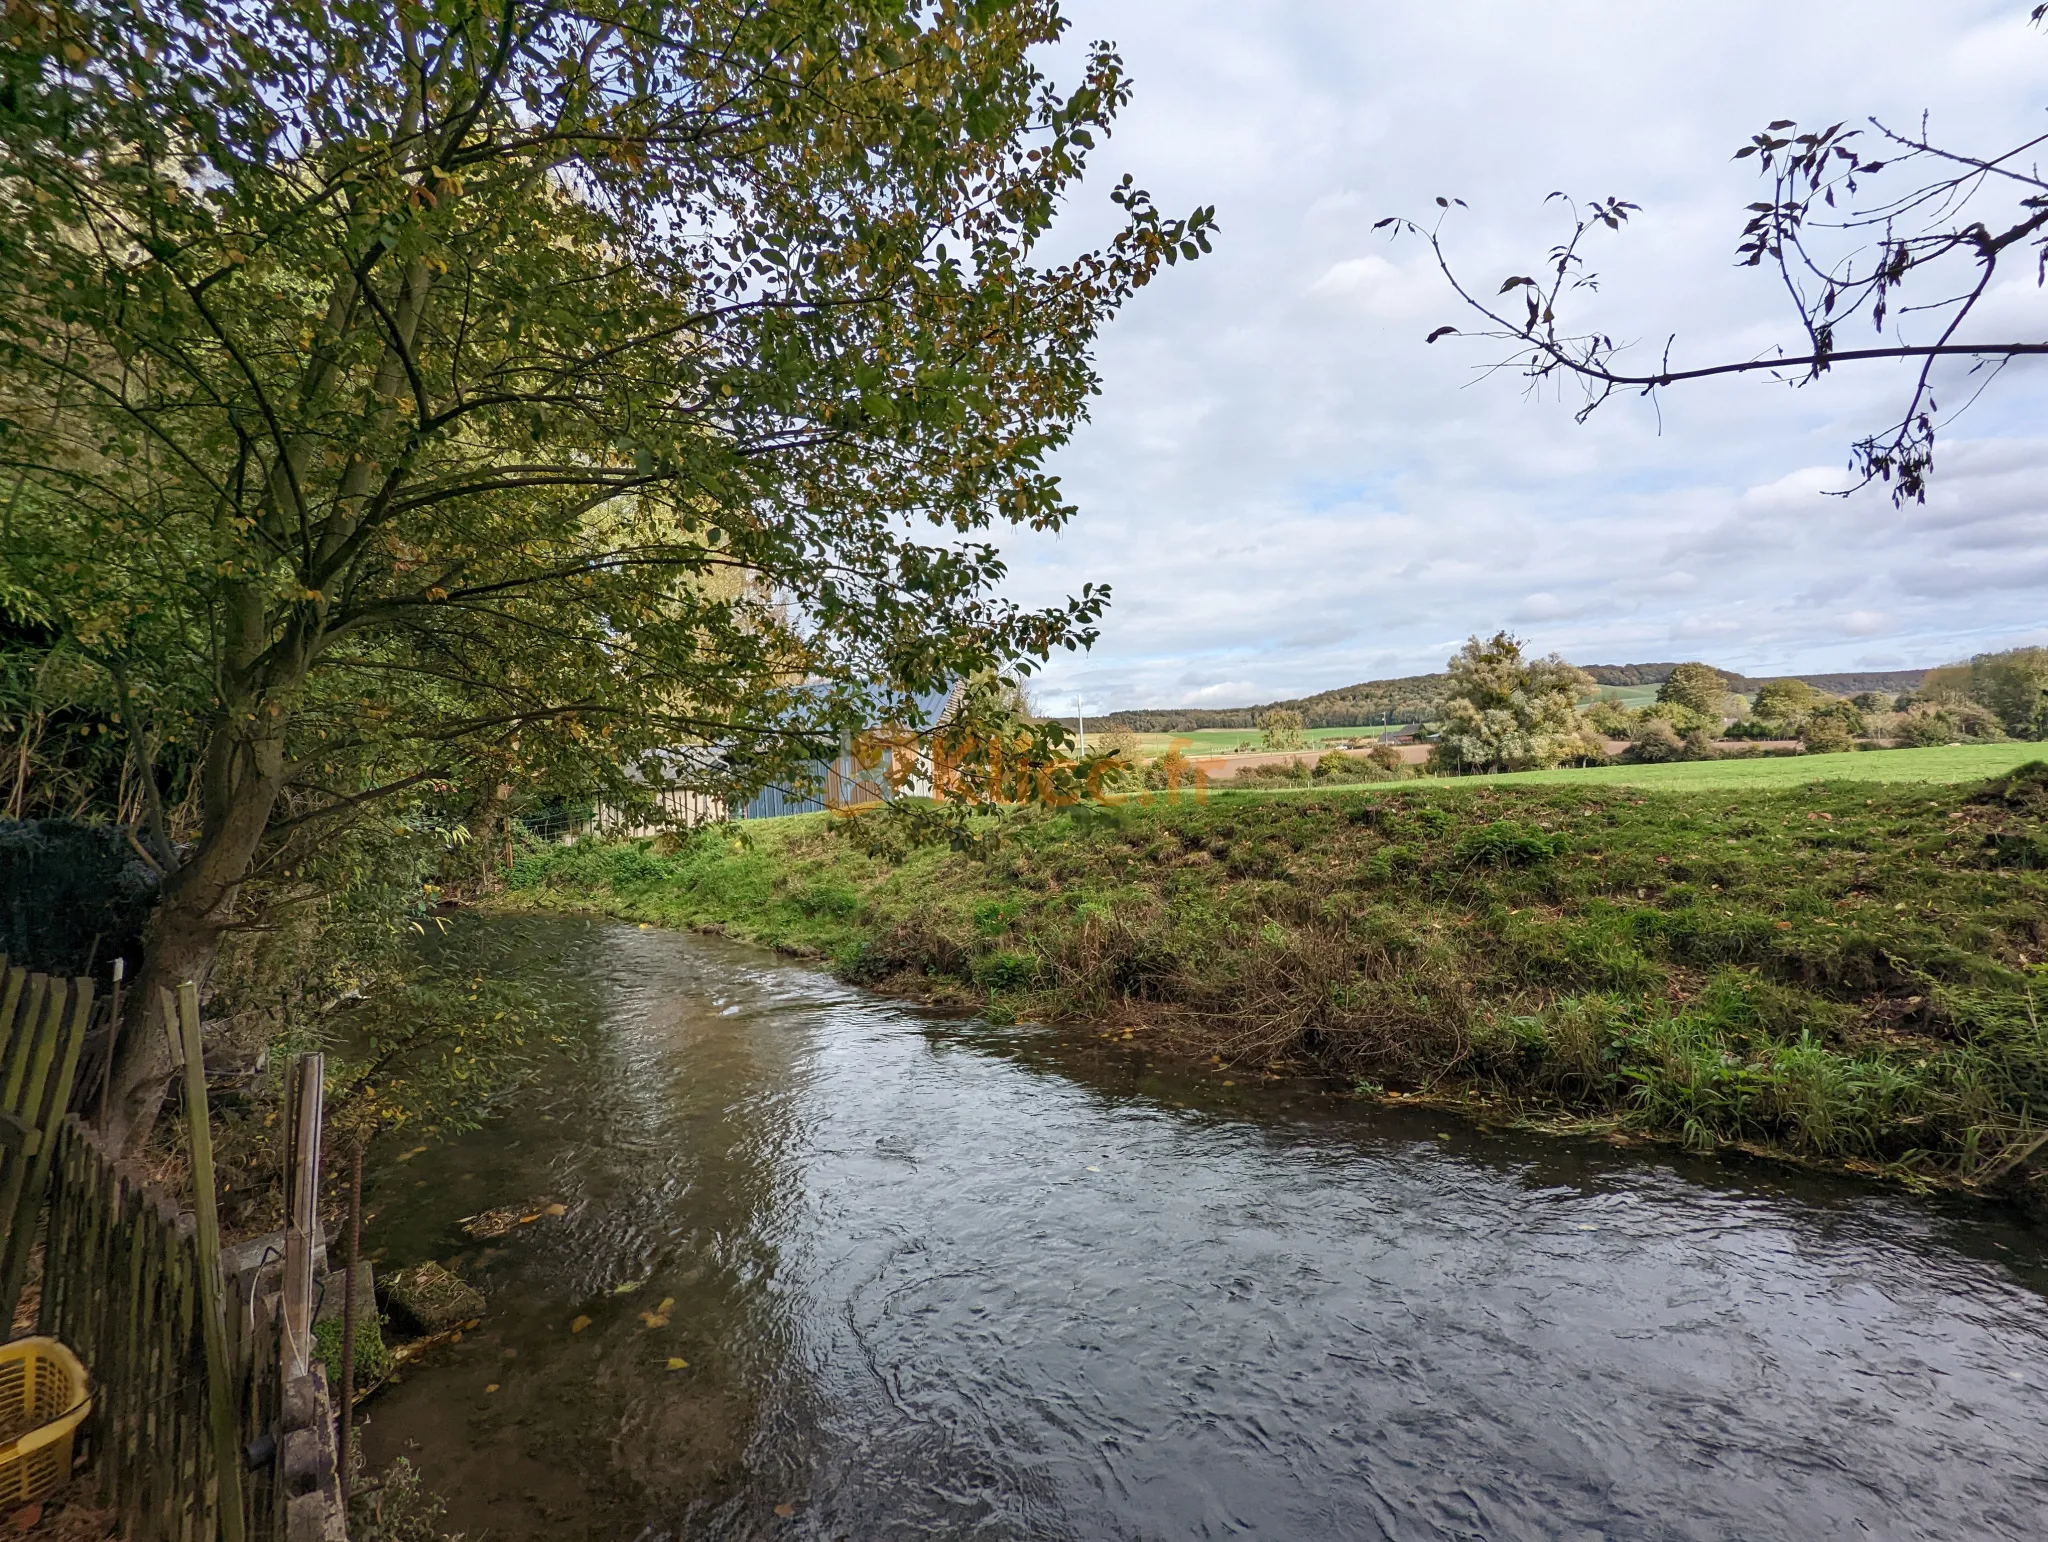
(579,1325)
(676,1364)
(490,1386)
(627,1288)
(407,1156)
(785,1511)
(556,1210)
(528,1220)
(28,1517)
(1095,1169)
(668,1304)
(455,1337)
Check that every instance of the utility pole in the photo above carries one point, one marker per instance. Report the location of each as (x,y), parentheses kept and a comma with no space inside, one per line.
(1081,725)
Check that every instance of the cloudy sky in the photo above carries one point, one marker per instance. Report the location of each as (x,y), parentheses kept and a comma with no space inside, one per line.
(1289,491)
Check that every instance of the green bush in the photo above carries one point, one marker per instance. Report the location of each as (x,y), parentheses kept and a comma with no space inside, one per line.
(1006,971)
(1657,741)
(1508,843)
(828,897)
(1680,716)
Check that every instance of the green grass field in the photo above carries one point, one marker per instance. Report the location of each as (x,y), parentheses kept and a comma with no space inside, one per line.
(1634,697)
(1950,764)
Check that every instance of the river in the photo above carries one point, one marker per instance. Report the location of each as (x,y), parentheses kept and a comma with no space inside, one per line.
(931,1278)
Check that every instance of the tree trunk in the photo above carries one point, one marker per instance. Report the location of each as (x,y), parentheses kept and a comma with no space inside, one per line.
(183,939)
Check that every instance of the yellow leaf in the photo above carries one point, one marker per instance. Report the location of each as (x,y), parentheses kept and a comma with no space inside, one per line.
(579,1325)
(627,1288)
(676,1364)
(668,1304)
(490,1386)
(407,1156)
(556,1210)
(528,1220)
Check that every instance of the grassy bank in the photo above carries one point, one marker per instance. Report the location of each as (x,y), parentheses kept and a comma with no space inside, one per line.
(1846,971)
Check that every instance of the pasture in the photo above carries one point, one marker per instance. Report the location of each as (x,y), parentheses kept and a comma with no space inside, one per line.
(1942,765)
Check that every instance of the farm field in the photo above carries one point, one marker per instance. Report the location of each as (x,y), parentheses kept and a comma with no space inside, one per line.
(1946,764)
(1634,697)
(1221,741)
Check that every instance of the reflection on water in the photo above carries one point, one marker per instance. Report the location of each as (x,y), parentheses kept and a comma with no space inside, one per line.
(933,1279)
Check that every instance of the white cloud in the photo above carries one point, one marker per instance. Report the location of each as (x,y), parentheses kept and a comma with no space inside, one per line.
(1289,490)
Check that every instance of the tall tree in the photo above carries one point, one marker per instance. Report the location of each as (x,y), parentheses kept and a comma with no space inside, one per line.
(1505,712)
(443,395)
(1878,224)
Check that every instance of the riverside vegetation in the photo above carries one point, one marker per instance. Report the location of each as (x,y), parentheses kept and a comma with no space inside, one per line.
(1847,972)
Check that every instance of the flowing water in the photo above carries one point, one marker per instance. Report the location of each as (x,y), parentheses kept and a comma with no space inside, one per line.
(932,1278)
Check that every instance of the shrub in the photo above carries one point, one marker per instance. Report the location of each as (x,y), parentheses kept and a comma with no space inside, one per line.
(1508,843)
(1681,717)
(1388,759)
(1654,742)
(1337,767)
(828,897)
(1611,718)
(1006,971)
(1826,735)
(1173,769)
(1925,728)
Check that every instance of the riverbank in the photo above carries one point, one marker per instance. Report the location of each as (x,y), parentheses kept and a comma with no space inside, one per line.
(1843,972)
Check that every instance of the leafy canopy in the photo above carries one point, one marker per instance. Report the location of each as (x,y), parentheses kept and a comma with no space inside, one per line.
(391,396)
(405,401)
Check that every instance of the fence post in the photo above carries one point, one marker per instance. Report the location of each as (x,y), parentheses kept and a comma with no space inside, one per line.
(220,1388)
(306,1114)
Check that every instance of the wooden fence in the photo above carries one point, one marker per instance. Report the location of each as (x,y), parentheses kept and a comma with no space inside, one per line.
(42,1025)
(122,1286)
(207,1424)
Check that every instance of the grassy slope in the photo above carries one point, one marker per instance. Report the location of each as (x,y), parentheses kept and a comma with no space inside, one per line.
(1844,970)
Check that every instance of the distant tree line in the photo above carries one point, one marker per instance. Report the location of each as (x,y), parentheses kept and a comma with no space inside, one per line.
(1417,699)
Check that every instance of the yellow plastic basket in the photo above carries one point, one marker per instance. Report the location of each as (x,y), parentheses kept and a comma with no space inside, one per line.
(43,1400)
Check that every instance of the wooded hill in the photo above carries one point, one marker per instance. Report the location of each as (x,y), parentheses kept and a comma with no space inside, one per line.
(1419,699)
